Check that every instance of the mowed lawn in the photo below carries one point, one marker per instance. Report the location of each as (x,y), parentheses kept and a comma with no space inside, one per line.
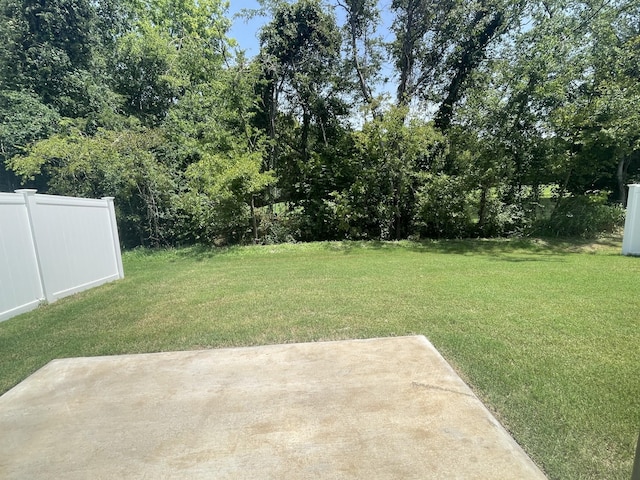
(547,334)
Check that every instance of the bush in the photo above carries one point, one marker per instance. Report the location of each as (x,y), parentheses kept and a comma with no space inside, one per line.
(283,227)
(201,219)
(585,216)
(505,219)
(444,210)
(361,212)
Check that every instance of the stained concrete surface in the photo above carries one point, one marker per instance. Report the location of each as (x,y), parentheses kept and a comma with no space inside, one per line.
(368,409)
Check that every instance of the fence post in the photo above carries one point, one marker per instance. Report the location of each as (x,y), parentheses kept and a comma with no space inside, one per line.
(114,235)
(30,203)
(631,239)
(635,474)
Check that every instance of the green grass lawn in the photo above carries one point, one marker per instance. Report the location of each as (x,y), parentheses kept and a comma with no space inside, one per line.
(548,335)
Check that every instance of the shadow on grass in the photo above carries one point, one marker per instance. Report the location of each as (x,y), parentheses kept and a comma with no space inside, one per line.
(498,249)
(495,246)
(508,249)
(196,252)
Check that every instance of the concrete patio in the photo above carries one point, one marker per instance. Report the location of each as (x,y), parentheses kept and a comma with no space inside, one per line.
(371,409)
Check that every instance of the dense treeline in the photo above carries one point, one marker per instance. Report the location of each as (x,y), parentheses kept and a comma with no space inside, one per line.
(482,118)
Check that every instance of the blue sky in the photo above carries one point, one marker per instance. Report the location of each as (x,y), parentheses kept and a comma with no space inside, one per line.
(246,32)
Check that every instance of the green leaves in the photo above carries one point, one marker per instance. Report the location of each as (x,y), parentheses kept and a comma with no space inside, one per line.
(219,195)
(48,50)
(142,100)
(110,163)
(390,159)
(235,174)
(23,119)
(300,50)
(106,164)
(146,66)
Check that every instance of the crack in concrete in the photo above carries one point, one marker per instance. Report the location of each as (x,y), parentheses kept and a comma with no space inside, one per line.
(435,387)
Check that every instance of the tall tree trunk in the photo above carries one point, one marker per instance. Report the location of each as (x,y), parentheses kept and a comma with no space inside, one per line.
(406,60)
(364,87)
(483,209)
(304,138)
(563,189)
(254,220)
(473,51)
(621,177)
(270,103)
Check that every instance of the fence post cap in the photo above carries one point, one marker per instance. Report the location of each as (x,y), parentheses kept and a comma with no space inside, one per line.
(27,191)
(108,198)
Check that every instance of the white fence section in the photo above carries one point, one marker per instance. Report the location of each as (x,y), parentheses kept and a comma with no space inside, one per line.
(52,246)
(631,239)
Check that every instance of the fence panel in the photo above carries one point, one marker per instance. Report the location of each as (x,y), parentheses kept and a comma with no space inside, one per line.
(631,239)
(20,285)
(72,243)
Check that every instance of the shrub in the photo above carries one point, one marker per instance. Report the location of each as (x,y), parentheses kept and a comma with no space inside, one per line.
(443,210)
(502,219)
(584,216)
(283,227)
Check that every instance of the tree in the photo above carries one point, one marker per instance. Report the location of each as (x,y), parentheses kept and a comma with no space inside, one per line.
(146,75)
(440,44)
(110,163)
(539,111)
(211,136)
(496,100)
(23,119)
(363,47)
(607,117)
(220,197)
(580,92)
(391,158)
(299,53)
(173,48)
(47,49)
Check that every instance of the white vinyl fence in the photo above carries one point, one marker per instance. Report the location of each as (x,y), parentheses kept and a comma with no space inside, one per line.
(52,246)
(631,239)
